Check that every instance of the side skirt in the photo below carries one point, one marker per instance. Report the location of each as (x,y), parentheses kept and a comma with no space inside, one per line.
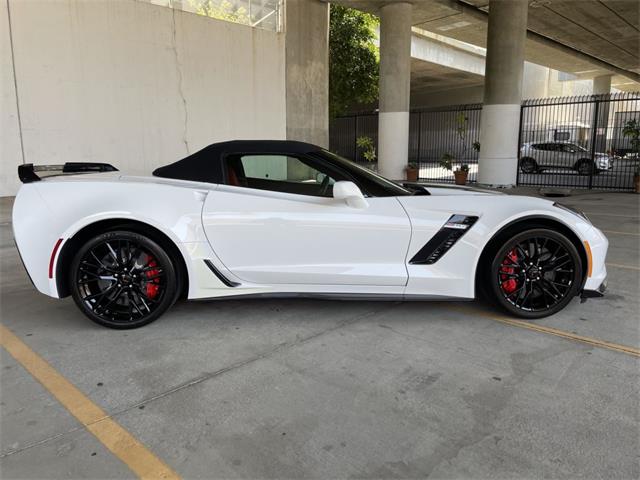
(341,296)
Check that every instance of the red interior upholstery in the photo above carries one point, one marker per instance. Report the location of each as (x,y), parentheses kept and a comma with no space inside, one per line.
(233,178)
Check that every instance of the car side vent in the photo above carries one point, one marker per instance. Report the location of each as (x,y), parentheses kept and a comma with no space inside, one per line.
(441,242)
(219,274)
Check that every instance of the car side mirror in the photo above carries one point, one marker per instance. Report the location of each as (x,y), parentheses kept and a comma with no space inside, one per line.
(350,194)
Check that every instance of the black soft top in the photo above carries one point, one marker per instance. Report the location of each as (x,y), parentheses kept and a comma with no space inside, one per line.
(206,165)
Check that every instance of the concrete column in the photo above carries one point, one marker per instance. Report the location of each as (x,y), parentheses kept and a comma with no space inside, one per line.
(602,84)
(307,71)
(395,85)
(500,127)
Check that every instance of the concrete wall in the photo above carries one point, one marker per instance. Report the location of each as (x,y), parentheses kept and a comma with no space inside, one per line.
(133,84)
(307,45)
(10,151)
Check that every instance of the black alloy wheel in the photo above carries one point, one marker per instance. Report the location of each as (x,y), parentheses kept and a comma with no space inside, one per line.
(536,273)
(586,167)
(122,279)
(528,165)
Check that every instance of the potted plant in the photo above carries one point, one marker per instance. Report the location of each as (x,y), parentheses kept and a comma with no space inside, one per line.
(365,144)
(447,160)
(412,172)
(632,130)
(460,174)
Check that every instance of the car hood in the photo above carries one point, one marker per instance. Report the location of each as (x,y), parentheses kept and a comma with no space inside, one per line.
(438,189)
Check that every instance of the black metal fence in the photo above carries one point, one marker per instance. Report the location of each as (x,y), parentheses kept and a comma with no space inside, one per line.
(432,133)
(574,142)
(578,142)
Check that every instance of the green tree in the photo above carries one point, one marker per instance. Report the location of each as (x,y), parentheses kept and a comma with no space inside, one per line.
(353,59)
(222,10)
(631,130)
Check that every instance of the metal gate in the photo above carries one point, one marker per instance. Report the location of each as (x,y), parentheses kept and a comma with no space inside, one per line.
(573,142)
(578,142)
(432,133)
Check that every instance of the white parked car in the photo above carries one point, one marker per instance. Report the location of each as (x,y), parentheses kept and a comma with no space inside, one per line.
(538,156)
(282,218)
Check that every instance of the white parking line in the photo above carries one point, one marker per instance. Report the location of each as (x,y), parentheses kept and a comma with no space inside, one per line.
(615,232)
(627,267)
(611,215)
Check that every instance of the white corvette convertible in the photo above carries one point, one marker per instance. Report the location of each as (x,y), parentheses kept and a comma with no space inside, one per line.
(282,218)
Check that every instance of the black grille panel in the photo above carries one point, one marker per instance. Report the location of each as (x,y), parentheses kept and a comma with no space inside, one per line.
(441,242)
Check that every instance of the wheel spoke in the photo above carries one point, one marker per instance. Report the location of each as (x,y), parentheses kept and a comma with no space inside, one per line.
(153,277)
(135,305)
(557,292)
(113,299)
(102,265)
(113,254)
(145,304)
(525,255)
(99,294)
(154,268)
(143,295)
(96,275)
(556,265)
(546,293)
(133,258)
(516,291)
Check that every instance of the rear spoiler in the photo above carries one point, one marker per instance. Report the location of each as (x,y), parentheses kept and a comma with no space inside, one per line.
(27,172)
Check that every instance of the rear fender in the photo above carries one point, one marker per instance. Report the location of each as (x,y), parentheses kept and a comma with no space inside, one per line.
(47,211)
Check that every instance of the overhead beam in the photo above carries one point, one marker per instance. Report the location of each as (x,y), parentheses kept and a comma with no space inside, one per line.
(480,14)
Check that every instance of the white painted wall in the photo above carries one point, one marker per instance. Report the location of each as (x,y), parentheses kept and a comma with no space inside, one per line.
(133,84)
(10,153)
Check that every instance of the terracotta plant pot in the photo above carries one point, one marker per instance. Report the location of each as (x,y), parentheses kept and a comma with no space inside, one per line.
(412,174)
(461,177)
(636,183)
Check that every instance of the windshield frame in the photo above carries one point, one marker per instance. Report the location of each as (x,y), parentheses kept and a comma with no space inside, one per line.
(367,180)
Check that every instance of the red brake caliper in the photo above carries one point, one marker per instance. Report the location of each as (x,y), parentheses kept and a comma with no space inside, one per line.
(152,287)
(509,285)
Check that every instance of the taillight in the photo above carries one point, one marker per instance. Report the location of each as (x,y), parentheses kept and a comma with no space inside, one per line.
(53,257)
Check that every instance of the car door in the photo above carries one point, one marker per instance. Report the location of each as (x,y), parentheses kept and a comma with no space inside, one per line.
(550,155)
(276,222)
(543,154)
(564,155)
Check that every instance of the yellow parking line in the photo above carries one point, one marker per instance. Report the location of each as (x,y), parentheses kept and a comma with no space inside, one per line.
(617,265)
(120,442)
(615,232)
(553,331)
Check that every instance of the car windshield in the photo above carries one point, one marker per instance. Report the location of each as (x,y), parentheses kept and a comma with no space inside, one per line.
(577,147)
(375,184)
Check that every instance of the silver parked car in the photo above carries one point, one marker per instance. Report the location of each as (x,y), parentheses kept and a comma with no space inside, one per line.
(538,156)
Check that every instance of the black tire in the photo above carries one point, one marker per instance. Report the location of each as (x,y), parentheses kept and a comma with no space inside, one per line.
(121,279)
(528,165)
(585,167)
(535,273)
